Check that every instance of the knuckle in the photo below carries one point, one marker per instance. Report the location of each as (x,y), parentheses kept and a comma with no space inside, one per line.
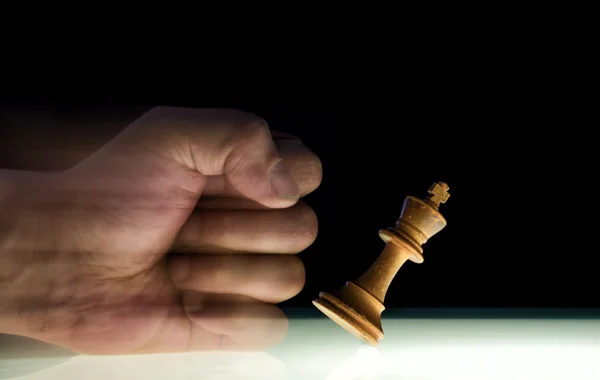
(243,122)
(249,139)
(249,124)
(256,131)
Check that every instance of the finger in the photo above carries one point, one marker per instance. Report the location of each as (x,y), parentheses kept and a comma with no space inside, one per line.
(289,230)
(304,166)
(228,203)
(268,278)
(179,142)
(223,322)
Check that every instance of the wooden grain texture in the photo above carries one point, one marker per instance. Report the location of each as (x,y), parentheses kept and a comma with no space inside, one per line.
(358,305)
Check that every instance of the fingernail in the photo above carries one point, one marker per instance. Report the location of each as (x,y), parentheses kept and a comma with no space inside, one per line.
(179,269)
(283,183)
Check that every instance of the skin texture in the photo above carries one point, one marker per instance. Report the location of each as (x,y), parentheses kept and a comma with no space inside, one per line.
(174,236)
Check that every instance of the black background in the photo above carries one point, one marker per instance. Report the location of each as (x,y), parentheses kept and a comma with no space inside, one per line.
(520,175)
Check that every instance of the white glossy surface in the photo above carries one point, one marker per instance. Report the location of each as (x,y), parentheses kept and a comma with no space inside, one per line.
(318,349)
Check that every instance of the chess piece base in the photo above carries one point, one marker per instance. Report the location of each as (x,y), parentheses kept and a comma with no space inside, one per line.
(349,318)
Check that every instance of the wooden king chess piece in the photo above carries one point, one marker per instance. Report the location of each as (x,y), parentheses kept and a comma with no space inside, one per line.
(358,305)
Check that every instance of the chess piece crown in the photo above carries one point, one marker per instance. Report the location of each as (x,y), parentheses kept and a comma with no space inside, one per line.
(358,305)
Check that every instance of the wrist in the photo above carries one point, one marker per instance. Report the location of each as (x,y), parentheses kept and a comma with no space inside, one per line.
(32,272)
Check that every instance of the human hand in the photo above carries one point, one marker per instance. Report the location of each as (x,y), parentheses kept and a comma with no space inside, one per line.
(177,235)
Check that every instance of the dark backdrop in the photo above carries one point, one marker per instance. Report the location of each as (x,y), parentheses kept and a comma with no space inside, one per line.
(520,202)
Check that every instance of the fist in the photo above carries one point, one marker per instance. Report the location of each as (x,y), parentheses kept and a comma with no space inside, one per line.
(177,235)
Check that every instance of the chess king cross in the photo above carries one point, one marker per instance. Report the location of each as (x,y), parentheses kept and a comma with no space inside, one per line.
(358,305)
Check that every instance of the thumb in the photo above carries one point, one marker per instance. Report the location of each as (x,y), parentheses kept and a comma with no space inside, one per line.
(210,142)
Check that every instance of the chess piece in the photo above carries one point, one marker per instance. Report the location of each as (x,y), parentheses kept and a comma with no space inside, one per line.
(358,305)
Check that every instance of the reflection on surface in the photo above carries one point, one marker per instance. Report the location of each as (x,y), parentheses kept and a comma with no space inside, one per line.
(318,349)
(201,366)
(364,365)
